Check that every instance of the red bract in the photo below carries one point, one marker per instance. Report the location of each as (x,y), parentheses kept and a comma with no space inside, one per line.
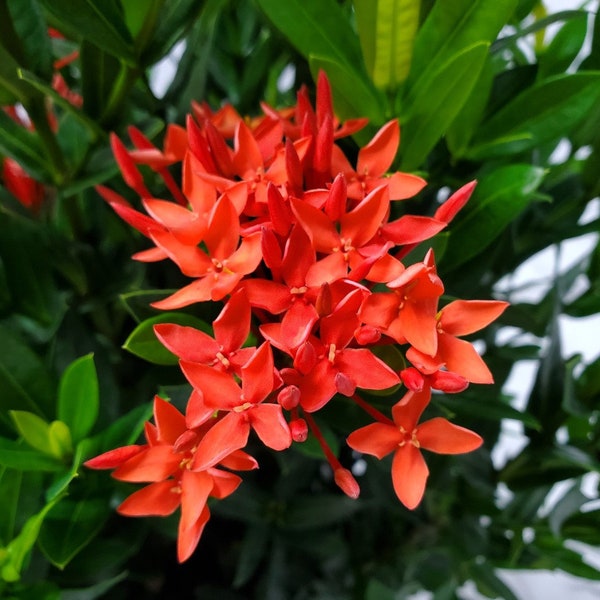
(272,220)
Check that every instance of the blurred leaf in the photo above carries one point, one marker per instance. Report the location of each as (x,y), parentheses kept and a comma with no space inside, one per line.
(22,145)
(488,582)
(498,199)
(24,252)
(78,397)
(547,111)
(582,527)
(570,401)
(588,384)
(252,552)
(33,430)
(98,21)
(70,526)
(143,342)
(564,47)
(554,555)
(378,591)
(31,28)
(59,436)
(10,489)
(308,512)
(436,101)
(318,29)
(124,431)
(487,409)
(12,89)
(570,504)
(353,95)
(100,71)
(14,455)
(387,30)
(172,22)
(138,303)
(19,548)
(538,466)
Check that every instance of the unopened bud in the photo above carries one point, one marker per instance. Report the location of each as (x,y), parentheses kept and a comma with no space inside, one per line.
(306,358)
(289,397)
(299,430)
(446,381)
(412,379)
(367,334)
(344,385)
(346,482)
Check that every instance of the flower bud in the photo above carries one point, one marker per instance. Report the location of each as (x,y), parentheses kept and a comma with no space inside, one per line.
(367,334)
(299,430)
(446,381)
(344,385)
(306,358)
(289,397)
(412,379)
(346,482)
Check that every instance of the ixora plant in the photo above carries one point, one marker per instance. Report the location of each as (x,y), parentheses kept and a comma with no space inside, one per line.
(299,247)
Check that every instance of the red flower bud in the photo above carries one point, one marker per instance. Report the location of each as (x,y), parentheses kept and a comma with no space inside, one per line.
(289,397)
(346,482)
(299,430)
(446,381)
(412,379)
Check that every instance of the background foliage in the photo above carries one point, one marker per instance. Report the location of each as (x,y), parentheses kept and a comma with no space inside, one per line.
(481,93)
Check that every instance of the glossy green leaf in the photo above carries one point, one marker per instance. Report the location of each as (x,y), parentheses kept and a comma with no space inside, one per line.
(31,28)
(138,303)
(564,47)
(450,28)
(143,342)
(353,94)
(545,112)
(78,397)
(70,526)
(436,103)
(98,21)
(316,28)
(387,29)
(498,199)
(465,124)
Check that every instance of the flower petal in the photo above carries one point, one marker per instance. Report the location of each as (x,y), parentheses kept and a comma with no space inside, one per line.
(462,317)
(441,436)
(187,539)
(377,439)
(409,475)
(155,500)
(270,426)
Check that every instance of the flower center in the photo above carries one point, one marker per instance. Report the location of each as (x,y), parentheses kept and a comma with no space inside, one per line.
(408,437)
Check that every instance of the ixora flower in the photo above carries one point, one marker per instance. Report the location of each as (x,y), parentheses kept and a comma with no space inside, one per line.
(406,437)
(301,254)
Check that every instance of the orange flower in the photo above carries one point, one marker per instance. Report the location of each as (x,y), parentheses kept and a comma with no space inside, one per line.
(406,438)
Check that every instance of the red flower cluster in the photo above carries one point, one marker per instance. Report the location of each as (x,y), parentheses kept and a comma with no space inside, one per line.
(274,221)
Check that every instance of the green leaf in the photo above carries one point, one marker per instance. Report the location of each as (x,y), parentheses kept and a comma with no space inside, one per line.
(59,436)
(353,94)
(564,47)
(78,397)
(498,199)
(309,512)
(22,145)
(98,21)
(12,89)
(19,548)
(14,456)
(488,410)
(569,505)
(436,101)
(143,342)
(545,112)
(316,28)
(24,380)
(253,550)
(92,127)
(70,526)
(32,30)
(387,29)
(138,303)
(450,28)
(488,582)
(33,430)
(467,120)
